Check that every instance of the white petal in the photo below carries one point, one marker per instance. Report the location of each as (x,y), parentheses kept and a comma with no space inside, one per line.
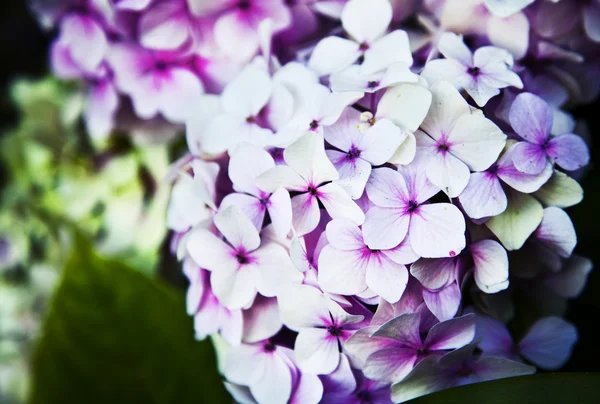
(281,177)
(483,196)
(437,230)
(262,320)
(406,105)
(491,266)
(380,142)
(316,351)
(237,228)
(557,232)
(387,278)
(208,251)
(249,205)
(510,33)
(365,21)
(248,93)
(280,212)
(275,268)
(354,173)
(333,54)
(385,228)
(276,384)
(405,154)
(344,235)
(453,47)
(385,52)
(339,204)
(248,162)
(387,188)
(305,213)
(446,108)
(234,288)
(341,272)
(448,173)
(477,141)
(314,311)
(307,157)
(505,8)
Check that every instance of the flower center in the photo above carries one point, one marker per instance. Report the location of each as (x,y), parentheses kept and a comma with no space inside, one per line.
(372,84)
(264,200)
(241,258)
(269,346)
(334,331)
(353,153)
(493,169)
(251,119)
(314,124)
(312,190)
(244,4)
(364,395)
(160,65)
(443,147)
(474,71)
(412,206)
(363,47)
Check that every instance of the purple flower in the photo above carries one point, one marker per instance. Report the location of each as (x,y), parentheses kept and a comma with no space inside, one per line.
(532,119)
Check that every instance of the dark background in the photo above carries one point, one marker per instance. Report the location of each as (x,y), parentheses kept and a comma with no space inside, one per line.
(24,51)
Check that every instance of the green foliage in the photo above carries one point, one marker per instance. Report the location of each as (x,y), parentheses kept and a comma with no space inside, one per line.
(113,335)
(542,388)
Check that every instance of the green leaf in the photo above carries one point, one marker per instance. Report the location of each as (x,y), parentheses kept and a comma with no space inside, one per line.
(113,335)
(542,388)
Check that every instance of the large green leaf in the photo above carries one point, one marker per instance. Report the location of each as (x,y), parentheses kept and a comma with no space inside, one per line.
(113,335)
(542,388)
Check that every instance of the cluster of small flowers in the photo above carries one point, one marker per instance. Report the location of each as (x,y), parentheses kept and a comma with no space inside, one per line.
(367,202)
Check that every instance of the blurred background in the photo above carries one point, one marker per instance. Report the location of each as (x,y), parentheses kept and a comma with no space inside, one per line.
(64,198)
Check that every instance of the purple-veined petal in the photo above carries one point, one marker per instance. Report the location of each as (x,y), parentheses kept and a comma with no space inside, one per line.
(354,172)
(529,158)
(279,207)
(483,196)
(236,36)
(491,266)
(316,351)
(568,151)
(549,343)
(492,368)
(390,365)
(344,234)
(384,228)
(557,232)
(249,205)
(403,329)
(493,337)
(518,180)
(437,231)
(435,274)
(276,383)
(344,133)
(246,364)
(451,334)
(452,47)
(402,253)
(164,26)
(307,389)
(305,213)
(339,204)
(386,278)
(361,345)
(531,118)
(342,272)
(102,105)
(237,228)
(448,173)
(444,303)
(85,39)
(427,377)
(387,188)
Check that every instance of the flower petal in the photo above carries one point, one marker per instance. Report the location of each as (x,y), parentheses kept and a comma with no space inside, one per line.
(549,343)
(569,151)
(333,54)
(451,334)
(316,351)
(531,118)
(529,158)
(491,266)
(437,231)
(237,228)
(342,272)
(444,303)
(483,196)
(339,204)
(366,21)
(386,278)
(305,213)
(385,228)
(247,162)
(280,212)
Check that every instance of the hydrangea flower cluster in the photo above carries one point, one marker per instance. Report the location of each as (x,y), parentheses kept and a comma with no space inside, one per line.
(372,207)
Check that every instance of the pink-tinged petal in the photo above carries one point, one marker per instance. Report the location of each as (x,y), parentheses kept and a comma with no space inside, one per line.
(275,269)
(386,278)
(361,345)
(427,377)
(85,39)
(340,382)
(591,20)
(333,54)
(549,343)
(554,19)
(305,213)
(314,313)
(420,189)
(477,141)
(569,282)
(447,107)
(529,158)
(437,231)
(280,212)
(246,164)
(387,188)
(493,337)
(522,182)
(387,51)
(404,329)
(443,304)
(344,133)
(316,351)
(402,254)
(234,288)
(248,93)
(531,118)
(308,389)
(63,65)
(366,21)
(344,235)
(215,318)
(237,228)
(236,37)
(557,232)
(342,272)
(448,173)
(451,334)
(354,172)
(136,5)
(281,177)
(491,368)
(491,266)
(390,365)
(449,70)
(339,205)
(435,274)
(208,251)
(276,383)
(385,228)
(262,320)
(101,108)
(164,26)
(569,151)
(249,205)
(307,157)
(380,142)
(483,196)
